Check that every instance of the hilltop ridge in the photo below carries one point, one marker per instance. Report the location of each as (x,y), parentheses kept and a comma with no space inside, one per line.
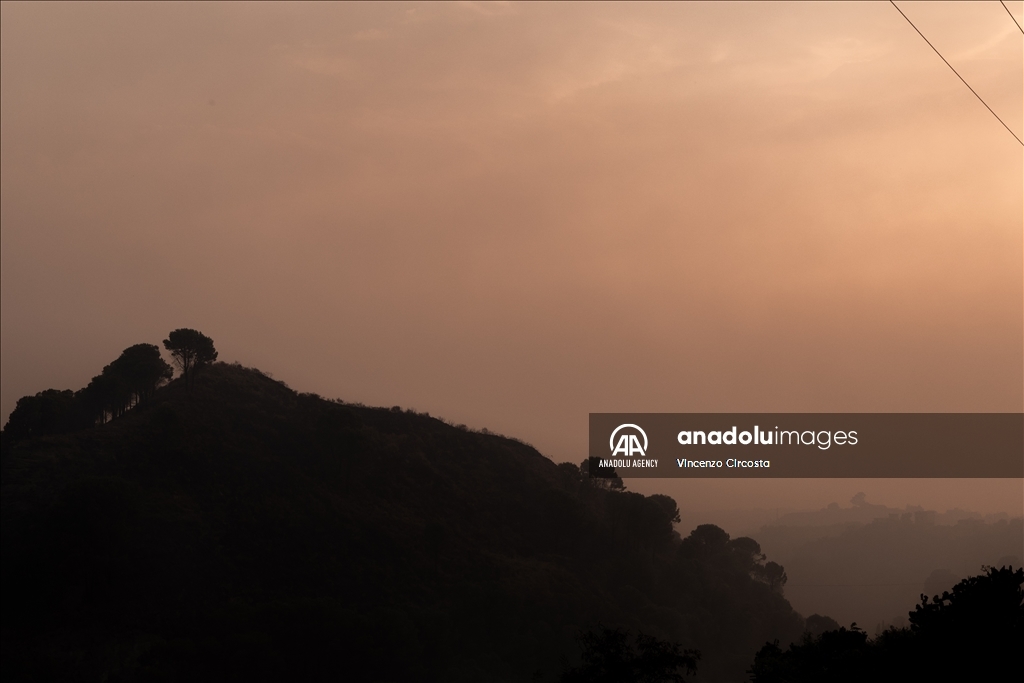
(245,531)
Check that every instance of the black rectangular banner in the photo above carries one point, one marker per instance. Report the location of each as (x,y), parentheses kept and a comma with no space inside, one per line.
(855,445)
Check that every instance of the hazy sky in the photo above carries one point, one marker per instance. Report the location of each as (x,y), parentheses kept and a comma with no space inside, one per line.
(514,215)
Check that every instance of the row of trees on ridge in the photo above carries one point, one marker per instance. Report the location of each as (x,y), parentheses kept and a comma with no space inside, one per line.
(126,382)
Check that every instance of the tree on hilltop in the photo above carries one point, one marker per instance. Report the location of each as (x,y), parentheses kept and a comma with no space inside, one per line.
(126,382)
(142,370)
(191,350)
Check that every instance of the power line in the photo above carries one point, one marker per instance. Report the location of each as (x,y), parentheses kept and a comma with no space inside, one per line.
(891,2)
(1011,15)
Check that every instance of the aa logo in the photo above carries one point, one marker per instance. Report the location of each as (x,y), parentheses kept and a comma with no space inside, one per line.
(628,443)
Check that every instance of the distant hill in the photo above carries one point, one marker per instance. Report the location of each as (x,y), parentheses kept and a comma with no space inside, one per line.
(862,512)
(874,572)
(248,532)
(870,563)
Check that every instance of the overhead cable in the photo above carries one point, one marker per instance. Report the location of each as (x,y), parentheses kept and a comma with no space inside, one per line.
(957,73)
(1011,16)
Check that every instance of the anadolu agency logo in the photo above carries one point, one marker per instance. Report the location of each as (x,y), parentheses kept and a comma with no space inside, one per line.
(628,445)
(628,441)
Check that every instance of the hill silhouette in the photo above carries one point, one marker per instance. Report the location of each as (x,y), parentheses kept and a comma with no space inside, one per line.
(243,531)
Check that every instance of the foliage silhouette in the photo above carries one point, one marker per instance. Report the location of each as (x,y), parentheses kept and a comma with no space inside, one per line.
(142,370)
(49,412)
(608,657)
(604,477)
(191,350)
(126,382)
(971,633)
(774,575)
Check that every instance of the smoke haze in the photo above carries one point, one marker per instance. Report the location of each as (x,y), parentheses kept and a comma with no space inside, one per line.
(514,215)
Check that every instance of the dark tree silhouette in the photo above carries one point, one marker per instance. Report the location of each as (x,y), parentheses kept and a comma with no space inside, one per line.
(126,382)
(601,477)
(982,618)
(667,504)
(142,370)
(747,551)
(818,624)
(705,541)
(608,657)
(106,397)
(971,633)
(191,349)
(841,656)
(644,522)
(773,574)
(48,412)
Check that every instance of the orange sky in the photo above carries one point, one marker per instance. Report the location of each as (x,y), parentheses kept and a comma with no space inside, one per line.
(513,215)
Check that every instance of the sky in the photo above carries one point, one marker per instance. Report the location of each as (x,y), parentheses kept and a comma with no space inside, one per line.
(512,215)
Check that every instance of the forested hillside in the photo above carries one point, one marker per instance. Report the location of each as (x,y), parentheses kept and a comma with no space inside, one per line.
(238,530)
